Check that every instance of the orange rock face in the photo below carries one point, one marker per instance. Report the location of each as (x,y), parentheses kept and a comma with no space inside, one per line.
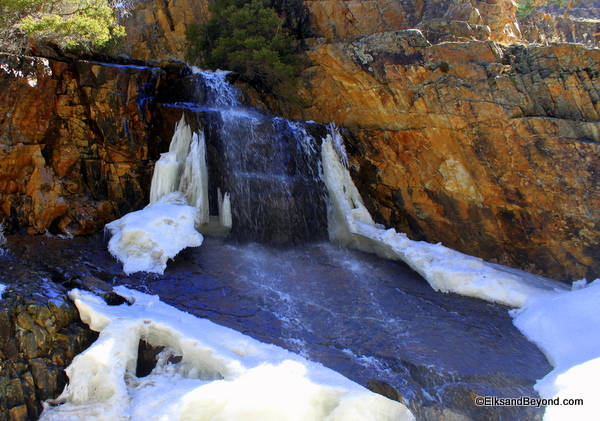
(156,29)
(492,151)
(73,143)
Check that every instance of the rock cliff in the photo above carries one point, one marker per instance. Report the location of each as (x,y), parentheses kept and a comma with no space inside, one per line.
(40,334)
(581,24)
(491,150)
(74,140)
(156,28)
(456,135)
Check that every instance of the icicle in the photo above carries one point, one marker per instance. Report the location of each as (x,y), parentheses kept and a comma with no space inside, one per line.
(338,144)
(180,144)
(346,204)
(166,176)
(194,180)
(168,169)
(224,209)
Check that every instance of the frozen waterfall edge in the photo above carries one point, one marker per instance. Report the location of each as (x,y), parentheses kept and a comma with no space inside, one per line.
(351,225)
(144,240)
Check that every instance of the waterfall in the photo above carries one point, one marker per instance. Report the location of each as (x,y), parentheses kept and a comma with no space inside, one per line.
(219,94)
(268,166)
(269,181)
(246,175)
(260,178)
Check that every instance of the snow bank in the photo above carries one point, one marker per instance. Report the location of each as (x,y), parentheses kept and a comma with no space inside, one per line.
(144,240)
(206,372)
(446,270)
(566,327)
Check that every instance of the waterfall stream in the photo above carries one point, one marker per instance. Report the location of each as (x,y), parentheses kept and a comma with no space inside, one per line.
(266,182)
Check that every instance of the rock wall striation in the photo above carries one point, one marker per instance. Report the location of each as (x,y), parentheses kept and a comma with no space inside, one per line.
(491,150)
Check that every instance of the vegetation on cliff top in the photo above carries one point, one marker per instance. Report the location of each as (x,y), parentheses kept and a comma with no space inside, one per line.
(527,6)
(247,37)
(66,23)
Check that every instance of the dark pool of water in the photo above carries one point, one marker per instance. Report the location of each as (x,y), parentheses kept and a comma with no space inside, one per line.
(365,317)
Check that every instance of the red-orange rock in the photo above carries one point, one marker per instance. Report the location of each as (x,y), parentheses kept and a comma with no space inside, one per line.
(156,29)
(492,151)
(73,142)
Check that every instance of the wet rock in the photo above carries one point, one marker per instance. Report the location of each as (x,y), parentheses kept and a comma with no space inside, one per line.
(146,361)
(374,321)
(40,334)
(384,389)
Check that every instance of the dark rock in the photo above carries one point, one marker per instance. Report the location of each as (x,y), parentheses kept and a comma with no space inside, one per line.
(40,334)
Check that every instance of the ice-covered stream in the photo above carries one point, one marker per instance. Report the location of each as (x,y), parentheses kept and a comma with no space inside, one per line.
(280,182)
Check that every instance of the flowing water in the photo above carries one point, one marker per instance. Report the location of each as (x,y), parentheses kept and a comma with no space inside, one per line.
(368,318)
(277,279)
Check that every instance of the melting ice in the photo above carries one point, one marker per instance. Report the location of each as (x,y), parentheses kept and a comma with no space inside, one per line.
(146,239)
(221,374)
(566,327)
(564,324)
(446,270)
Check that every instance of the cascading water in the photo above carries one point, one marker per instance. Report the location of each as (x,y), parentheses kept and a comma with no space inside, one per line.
(268,183)
(269,180)
(265,169)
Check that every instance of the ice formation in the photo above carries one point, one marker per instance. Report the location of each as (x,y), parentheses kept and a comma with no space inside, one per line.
(446,270)
(205,372)
(145,240)
(224,209)
(566,327)
(183,169)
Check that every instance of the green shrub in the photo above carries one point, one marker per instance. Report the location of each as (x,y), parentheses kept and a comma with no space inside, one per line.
(247,37)
(67,23)
(528,6)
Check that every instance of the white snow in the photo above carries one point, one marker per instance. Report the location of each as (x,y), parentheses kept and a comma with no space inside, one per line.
(566,327)
(222,374)
(2,289)
(446,270)
(145,240)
